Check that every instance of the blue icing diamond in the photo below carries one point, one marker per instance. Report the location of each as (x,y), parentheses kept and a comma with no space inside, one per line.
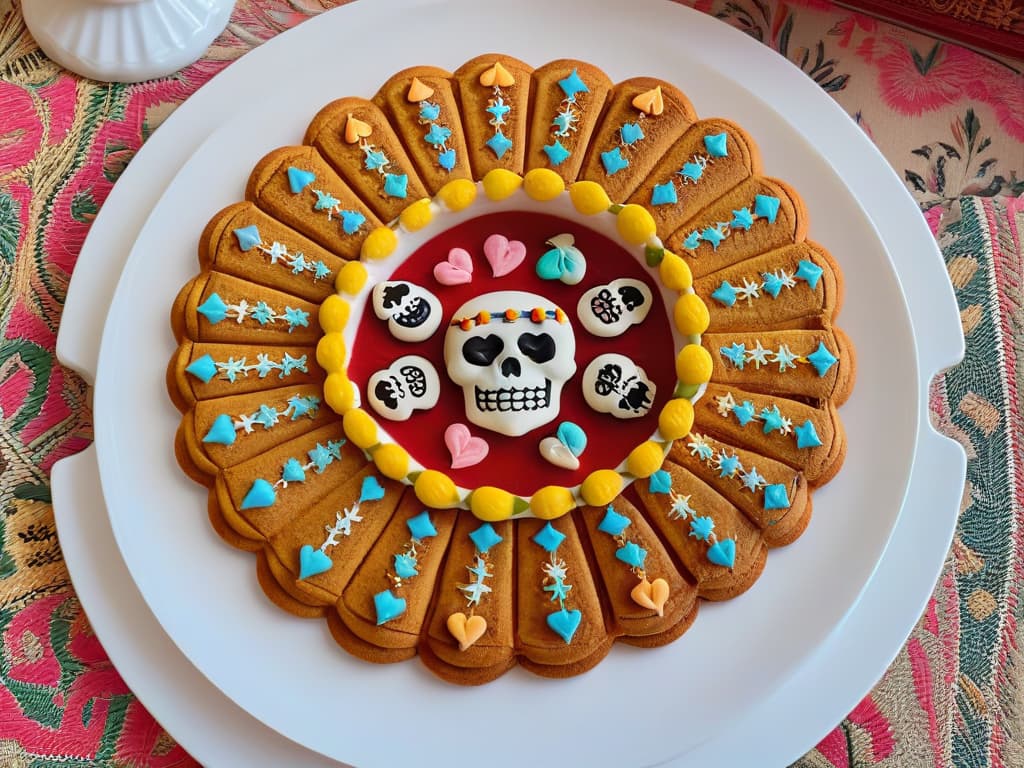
(371,489)
(822,359)
(312,561)
(387,606)
(298,179)
(724,294)
(742,219)
(437,135)
(723,553)
(692,171)
(660,482)
(613,523)
(485,537)
(767,207)
(556,153)
(395,184)
(701,527)
(213,309)
(375,159)
(772,284)
(744,412)
(565,623)
(716,144)
(809,271)
(737,354)
(222,431)
(728,465)
(248,237)
(664,194)
(351,221)
(613,161)
(203,368)
(632,554)
(429,111)
(806,436)
(548,538)
(692,241)
(405,567)
(261,494)
(421,527)
(631,133)
(775,497)
(446,159)
(293,472)
(572,85)
(712,235)
(772,419)
(499,144)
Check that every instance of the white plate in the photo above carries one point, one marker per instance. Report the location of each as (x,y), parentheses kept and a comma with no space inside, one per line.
(705,103)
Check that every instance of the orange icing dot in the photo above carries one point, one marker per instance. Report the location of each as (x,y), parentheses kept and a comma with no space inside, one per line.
(538,315)
(483,317)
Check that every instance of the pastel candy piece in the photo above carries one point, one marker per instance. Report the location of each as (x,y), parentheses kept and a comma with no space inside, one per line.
(503,255)
(572,437)
(418,91)
(556,452)
(466,630)
(563,261)
(651,594)
(456,270)
(356,129)
(650,102)
(565,623)
(465,449)
(313,561)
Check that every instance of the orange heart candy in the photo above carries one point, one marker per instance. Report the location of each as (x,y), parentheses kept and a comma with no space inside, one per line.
(418,91)
(356,129)
(651,595)
(466,630)
(650,102)
(497,75)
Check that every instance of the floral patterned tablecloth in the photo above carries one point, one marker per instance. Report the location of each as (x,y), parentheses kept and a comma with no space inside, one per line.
(950,121)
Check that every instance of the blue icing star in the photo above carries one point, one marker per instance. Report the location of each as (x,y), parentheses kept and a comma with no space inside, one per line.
(446,159)
(724,294)
(767,207)
(664,194)
(556,153)
(421,526)
(299,179)
(806,436)
(351,221)
(289,363)
(395,184)
(293,472)
(775,497)
(772,419)
(613,523)
(701,528)
(548,538)
(267,416)
(498,110)
(744,412)
(723,553)
(499,144)
(233,369)
(485,537)
(429,111)
(728,465)
(660,482)
(222,431)
(559,589)
(572,85)
(691,171)
(324,201)
(387,606)
(737,354)
(822,359)
(299,264)
(742,219)
(631,133)
(405,567)
(692,241)
(300,406)
(716,144)
(248,237)
(712,235)
(320,457)
(437,135)
(296,317)
(563,121)
(262,313)
(213,309)
(203,368)
(334,448)
(613,161)
(772,284)
(809,271)
(375,159)
(261,494)
(631,554)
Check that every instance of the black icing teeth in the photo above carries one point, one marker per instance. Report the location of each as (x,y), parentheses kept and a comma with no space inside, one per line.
(514,400)
(415,315)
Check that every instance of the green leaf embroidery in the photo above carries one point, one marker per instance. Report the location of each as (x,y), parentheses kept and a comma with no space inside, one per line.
(10,227)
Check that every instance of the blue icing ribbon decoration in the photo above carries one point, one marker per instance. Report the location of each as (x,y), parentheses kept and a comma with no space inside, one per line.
(716,144)
(728,465)
(767,207)
(203,368)
(293,472)
(565,623)
(822,359)
(632,554)
(775,497)
(572,85)
(446,159)
(421,527)
(548,538)
(222,431)
(613,523)
(556,153)
(396,184)
(485,537)
(724,294)
(387,606)
(660,482)
(298,179)
(664,194)
(405,567)
(572,436)
(261,494)
(213,309)
(613,161)
(351,221)
(723,553)
(371,489)
(313,561)
(809,271)
(499,144)
(248,237)
(736,354)
(631,133)
(806,435)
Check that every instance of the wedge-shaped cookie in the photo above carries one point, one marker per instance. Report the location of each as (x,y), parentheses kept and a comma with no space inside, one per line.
(692,518)
(471,634)
(494,97)
(711,158)
(299,188)
(382,610)
(807,438)
(243,241)
(568,97)
(424,112)
(643,118)
(795,286)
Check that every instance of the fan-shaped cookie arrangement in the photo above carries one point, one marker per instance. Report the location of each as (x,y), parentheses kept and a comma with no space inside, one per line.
(506,364)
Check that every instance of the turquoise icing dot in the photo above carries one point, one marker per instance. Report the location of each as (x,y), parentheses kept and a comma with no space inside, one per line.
(437,135)
(809,271)
(421,527)
(772,419)
(248,237)
(485,537)
(293,472)
(446,159)
(556,153)
(713,236)
(744,412)
(312,561)
(572,85)
(716,144)
(429,111)
(767,207)
(736,354)
(613,161)
(632,554)
(692,171)
(371,490)
(664,194)
(631,133)
(499,144)
(660,482)
(724,294)
(742,219)
(692,241)
(822,359)
(723,553)
(772,284)
(261,494)
(351,221)
(298,179)
(572,437)
(701,527)
(565,623)
(396,184)
(548,538)
(613,523)
(806,435)
(405,567)
(222,431)
(727,465)
(203,368)
(213,309)
(387,606)
(775,497)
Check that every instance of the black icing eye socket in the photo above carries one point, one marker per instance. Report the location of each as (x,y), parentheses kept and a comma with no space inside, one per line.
(631,296)
(482,350)
(386,394)
(393,294)
(605,295)
(539,347)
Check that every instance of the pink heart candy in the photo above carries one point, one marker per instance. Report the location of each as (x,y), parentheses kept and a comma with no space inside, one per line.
(465,449)
(457,270)
(503,254)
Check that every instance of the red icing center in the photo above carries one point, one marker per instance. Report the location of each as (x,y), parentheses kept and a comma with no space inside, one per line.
(515,463)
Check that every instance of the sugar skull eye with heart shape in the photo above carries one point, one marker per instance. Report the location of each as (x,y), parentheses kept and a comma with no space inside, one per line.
(615,384)
(408,384)
(511,352)
(413,313)
(609,310)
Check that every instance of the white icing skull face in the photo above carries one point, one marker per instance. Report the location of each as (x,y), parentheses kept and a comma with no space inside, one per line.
(615,384)
(413,313)
(608,310)
(409,383)
(511,372)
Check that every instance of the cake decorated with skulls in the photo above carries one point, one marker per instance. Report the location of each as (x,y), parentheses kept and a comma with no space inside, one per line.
(505,364)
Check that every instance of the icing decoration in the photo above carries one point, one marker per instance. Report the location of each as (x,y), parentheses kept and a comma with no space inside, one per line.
(312,562)
(358,132)
(549,539)
(610,310)
(614,384)
(503,255)
(215,310)
(438,134)
(716,144)
(497,77)
(511,372)
(412,312)
(564,449)
(466,630)
(691,171)
(351,221)
(485,537)
(456,270)
(387,606)
(630,133)
(647,594)
(660,482)
(723,553)
(651,594)
(223,430)
(613,523)
(563,261)
(771,283)
(809,272)
(720,551)
(410,383)
(771,418)
(765,207)
(249,238)
(566,118)
(821,359)
(775,497)
(650,102)
(556,152)
(418,91)
(356,129)
(664,194)
(205,368)
(466,450)
(563,622)
(261,494)
(613,161)
(806,435)
(731,467)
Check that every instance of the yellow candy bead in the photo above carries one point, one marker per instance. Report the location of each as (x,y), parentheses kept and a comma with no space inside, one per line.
(379,244)
(330,352)
(491,504)
(635,224)
(499,183)
(392,461)
(676,419)
(543,184)
(360,428)
(551,501)
(589,197)
(675,273)
(333,314)
(416,216)
(693,364)
(457,195)
(339,392)
(600,487)
(351,278)
(691,315)
(645,459)
(436,489)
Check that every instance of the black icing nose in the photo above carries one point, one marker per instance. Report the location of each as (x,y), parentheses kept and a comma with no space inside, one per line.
(510,367)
